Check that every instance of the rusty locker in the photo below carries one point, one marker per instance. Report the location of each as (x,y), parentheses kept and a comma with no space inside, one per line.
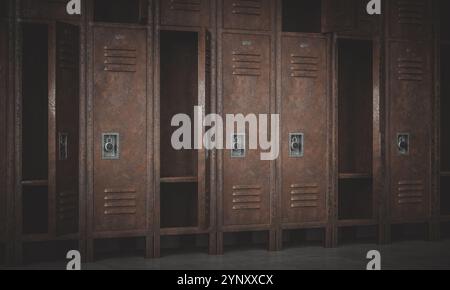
(194,13)
(409,19)
(304,135)
(67,128)
(4,60)
(247,15)
(246,89)
(410,94)
(46,9)
(120,130)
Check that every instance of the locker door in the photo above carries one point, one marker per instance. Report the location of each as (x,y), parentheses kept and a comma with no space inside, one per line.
(247,14)
(67,108)
(49,9)
(304,133)
(246,90)
(410,94)
(338,15)
(185,12)
(409,19)
(120,169)
(3,99)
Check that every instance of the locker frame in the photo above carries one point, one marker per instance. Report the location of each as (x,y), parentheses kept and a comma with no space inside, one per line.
(201,31)
(20,238)
(90,236)
(270,228)
(325,224)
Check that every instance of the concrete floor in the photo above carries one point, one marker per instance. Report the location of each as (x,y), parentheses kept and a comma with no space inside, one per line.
(398,256)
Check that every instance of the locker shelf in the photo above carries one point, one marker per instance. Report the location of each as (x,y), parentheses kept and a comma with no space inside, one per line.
(355,176)
(185,179)
(357,222)
(35,183)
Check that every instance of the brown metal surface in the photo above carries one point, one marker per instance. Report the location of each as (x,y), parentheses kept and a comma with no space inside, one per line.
(246,90)
(67,116)
(4,60)
(304,110)
(46,9)
(247,15)
(409,19)
(338,15)
(120,106)
(410,95)
(185,12)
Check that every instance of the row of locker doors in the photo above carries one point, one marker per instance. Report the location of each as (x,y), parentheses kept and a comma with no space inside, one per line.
(246,76)
(120,103)
(122,107)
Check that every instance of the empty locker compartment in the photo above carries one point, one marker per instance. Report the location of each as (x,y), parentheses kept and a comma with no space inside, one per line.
(49,140)
(355,133)
(182,172)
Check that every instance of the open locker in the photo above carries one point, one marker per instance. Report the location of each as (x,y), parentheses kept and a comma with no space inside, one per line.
(355,129)
(358,140)
(184,207)
(48,200)
(304,135)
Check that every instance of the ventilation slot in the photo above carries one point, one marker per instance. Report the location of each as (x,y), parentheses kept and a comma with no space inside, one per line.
(120,59)
(410,192)
(304,66)
(304,196)
(246,64)
(246,197)
(68,206)
(247,7)
(120,202)
(410,12)
(410,69)
(185,5)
